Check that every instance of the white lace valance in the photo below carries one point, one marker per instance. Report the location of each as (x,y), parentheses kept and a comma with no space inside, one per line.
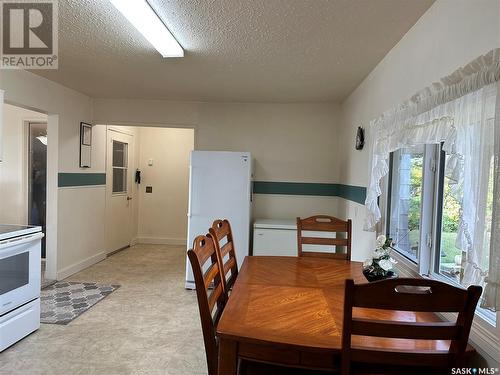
(417,121)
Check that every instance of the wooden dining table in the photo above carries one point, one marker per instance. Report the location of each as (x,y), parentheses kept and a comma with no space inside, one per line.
(289,311)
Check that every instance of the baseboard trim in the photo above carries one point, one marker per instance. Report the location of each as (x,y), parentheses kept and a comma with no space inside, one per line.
(117,251)
(77,267)
(160,241)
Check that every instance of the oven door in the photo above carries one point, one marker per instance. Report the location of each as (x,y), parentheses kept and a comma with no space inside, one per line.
(20,266)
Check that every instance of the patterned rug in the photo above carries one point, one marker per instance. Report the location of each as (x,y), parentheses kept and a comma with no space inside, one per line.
(64,301)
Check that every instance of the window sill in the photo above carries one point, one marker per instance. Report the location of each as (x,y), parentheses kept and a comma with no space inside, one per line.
(484,335)
(405,266)
(488,318)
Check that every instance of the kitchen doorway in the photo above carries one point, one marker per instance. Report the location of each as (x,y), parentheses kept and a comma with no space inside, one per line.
(37,178)
(28,175)
(16,173)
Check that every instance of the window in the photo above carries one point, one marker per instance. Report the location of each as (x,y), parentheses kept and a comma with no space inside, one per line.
(406,200)
(449,258)
(120,167)
(424,208)
(455,237)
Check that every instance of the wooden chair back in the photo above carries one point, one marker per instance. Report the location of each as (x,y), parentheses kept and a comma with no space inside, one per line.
(408,295)
(324,223)
(221,232)
(210,293)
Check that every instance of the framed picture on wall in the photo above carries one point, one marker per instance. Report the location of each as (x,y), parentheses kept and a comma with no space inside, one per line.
(85,144)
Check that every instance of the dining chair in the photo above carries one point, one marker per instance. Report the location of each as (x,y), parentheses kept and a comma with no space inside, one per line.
(210,293)
(224,245)
(324,223)
(419,295)
(211,297)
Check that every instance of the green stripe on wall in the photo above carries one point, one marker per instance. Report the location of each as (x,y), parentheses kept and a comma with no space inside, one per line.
(294,188)
(353,193)
(81,179)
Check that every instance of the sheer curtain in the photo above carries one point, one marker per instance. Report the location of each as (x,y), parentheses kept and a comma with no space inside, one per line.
(459,112)
(491,295)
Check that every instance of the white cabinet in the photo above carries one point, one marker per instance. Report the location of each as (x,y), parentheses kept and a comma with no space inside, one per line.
(275,237)
(279,238)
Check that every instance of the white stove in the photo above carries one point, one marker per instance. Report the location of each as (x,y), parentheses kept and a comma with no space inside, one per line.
(8,231)
(20,266)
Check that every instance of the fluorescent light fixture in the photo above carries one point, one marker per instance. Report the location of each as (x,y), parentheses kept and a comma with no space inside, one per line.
(143,17)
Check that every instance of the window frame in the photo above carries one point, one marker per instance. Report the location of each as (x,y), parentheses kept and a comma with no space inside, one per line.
(388,212)
(487,315)
(125,168)
(423,261)
(485,332)
(430,224)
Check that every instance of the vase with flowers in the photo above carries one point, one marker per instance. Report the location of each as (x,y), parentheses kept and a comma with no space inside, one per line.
(381,264)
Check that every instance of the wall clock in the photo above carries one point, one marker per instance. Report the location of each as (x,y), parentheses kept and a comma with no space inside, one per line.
(360,138)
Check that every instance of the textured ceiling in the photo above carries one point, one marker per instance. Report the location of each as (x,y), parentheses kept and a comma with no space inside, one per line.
(236,50)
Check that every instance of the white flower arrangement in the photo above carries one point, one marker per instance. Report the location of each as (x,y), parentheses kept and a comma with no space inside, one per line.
(381,265)
(381,240)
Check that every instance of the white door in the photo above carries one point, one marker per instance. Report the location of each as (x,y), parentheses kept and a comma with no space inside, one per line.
(119,185)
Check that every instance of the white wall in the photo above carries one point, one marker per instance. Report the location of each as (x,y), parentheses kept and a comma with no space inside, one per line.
(13,168)
(289,142)
(162,216)
(78,238)
(449,35)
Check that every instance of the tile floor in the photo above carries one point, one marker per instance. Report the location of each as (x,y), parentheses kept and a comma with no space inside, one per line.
(148,326)
(44,281)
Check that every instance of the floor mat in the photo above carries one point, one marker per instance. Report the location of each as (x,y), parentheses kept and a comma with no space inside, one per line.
(64,301)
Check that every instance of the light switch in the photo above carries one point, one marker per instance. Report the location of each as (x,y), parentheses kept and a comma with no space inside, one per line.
(149,189)
(150,162)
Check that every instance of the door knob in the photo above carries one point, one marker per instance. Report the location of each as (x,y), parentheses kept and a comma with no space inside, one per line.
(129,198)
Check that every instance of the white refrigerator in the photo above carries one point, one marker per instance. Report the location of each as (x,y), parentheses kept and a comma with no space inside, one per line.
(220,187)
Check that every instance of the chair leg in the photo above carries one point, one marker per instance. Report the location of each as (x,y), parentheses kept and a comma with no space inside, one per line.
(242,367)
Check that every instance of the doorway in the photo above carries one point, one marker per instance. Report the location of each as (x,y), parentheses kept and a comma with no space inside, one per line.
(37,177)
(15,174)
(147,185)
